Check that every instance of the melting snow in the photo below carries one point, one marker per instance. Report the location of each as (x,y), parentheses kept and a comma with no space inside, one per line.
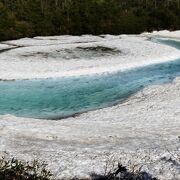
(148,121)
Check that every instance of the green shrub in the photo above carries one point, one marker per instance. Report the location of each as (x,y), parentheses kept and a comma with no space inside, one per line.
(17,170)
(122,173)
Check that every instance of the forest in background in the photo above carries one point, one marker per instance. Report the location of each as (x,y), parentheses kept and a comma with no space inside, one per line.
(29,18)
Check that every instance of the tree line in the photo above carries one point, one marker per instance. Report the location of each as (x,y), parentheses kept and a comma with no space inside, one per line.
(28,18)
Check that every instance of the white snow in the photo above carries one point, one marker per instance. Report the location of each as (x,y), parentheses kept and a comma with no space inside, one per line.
(164,33)
(57,60)
(5,46)
(144,129)
(54,40)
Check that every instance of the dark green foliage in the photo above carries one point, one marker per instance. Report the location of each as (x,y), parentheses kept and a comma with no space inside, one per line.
(21,18)
(16,170)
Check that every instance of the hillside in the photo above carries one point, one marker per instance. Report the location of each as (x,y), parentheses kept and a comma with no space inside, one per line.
(28,18)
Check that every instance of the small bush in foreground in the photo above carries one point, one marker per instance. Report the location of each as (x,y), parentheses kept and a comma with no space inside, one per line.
(121,173)
(16,170)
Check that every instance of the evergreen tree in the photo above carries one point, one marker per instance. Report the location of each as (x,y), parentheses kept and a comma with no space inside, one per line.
(28,18)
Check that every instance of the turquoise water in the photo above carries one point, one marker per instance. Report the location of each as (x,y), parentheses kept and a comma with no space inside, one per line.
(62,97)
(170,42)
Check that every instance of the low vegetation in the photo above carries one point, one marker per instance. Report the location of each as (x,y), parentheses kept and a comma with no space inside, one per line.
(17,170)
(122,173)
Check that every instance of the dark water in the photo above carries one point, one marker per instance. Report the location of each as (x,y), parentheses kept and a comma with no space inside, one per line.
(62,97)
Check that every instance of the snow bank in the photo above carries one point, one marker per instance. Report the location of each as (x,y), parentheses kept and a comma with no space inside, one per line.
(4,46)
(62,57)
(54,40)
(148,121)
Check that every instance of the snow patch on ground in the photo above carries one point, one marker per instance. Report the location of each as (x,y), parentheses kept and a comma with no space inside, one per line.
(54,40)
(4,46)
(41,59)
(164,33)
